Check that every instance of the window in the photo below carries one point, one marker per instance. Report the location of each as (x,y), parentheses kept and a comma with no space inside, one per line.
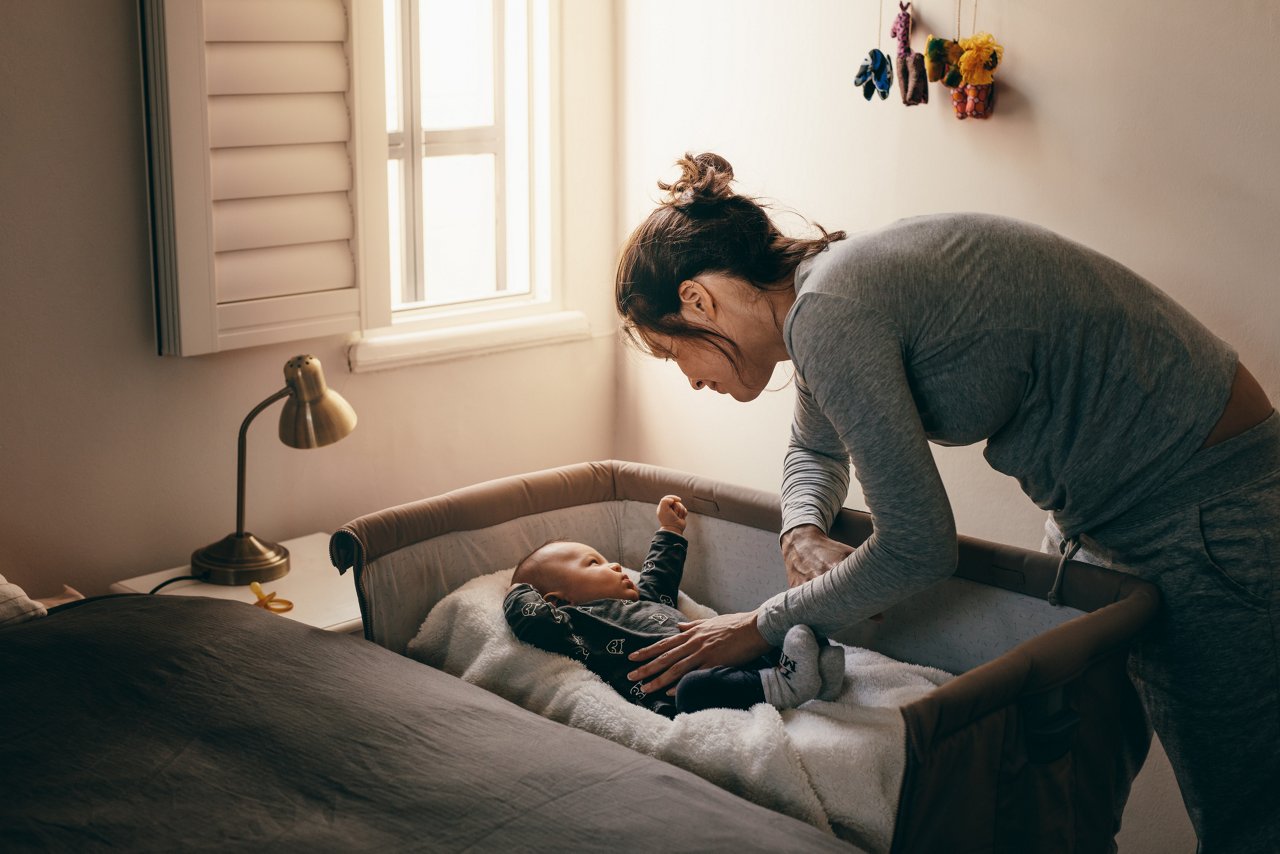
(463,149)
(466,156)
(333,166)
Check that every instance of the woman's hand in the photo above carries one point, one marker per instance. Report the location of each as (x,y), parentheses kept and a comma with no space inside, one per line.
(808,553)
(725,640)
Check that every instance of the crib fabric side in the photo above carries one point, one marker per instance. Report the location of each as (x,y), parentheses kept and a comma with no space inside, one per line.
(367,545)
(1044,743)
(1036,749)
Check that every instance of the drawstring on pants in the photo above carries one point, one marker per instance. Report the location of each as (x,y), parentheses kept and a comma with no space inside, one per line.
(1068,547)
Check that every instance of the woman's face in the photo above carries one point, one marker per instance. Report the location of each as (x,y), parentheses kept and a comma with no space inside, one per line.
(707,367)
(734,309)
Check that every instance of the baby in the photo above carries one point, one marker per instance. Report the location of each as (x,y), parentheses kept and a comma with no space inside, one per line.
(566,598)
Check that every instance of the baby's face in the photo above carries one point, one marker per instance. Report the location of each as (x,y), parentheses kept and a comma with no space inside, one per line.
(577,573)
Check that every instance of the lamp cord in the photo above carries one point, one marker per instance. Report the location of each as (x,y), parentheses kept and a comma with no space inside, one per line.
(171,580)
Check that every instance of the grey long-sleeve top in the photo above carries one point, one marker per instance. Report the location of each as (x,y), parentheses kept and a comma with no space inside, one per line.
(1088,384)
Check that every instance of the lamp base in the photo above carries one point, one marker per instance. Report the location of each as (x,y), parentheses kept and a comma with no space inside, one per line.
(239,559)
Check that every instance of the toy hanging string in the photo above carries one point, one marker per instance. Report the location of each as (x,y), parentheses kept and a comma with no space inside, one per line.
(974,27)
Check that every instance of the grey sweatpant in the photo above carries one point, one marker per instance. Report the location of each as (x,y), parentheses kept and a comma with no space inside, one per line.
(1208,670)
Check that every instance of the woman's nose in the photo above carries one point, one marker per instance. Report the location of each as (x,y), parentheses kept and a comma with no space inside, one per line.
(697,384)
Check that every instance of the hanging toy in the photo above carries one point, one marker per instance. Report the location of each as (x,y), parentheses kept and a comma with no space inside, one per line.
(875,74)
(967,67)
(912,82)
(975,96)
(940,56)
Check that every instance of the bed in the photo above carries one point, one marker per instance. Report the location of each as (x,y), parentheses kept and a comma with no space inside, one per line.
(1032,745)
(164,723)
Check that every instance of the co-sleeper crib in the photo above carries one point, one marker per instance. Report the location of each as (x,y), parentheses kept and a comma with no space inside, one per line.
(1032,747)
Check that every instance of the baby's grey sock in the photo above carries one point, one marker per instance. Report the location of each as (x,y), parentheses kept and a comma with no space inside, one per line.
(796,679)
(831,666)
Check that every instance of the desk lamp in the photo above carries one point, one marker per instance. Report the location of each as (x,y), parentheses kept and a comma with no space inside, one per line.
(313,416)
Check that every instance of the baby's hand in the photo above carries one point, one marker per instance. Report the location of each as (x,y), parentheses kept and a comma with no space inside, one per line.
(672,513)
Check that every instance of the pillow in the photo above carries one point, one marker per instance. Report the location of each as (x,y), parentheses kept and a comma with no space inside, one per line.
(15,606)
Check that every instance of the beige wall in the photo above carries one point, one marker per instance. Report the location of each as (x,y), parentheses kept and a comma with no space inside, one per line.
(1095,135)
(115,461)
(1110,127)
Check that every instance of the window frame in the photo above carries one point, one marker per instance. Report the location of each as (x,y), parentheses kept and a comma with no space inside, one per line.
(391,338)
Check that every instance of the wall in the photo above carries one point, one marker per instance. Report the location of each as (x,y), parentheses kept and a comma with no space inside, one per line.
(116,461)
(1147,130)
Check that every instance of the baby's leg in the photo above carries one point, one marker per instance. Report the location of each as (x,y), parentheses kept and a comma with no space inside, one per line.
(719,688)
(793,675)
(831,666)
(797,678)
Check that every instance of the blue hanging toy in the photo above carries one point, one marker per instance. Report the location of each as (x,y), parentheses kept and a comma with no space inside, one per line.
(875,74)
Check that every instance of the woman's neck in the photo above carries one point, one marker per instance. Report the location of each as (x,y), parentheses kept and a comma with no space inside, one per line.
(780,299)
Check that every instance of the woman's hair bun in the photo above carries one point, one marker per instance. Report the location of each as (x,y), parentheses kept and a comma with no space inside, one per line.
(704,180)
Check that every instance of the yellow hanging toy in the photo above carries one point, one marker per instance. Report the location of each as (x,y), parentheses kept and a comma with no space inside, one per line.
(967,67)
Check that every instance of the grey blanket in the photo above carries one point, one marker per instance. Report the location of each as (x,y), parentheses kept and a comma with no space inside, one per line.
(148,723)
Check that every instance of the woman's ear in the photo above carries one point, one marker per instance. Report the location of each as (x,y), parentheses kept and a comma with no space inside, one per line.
(695,297)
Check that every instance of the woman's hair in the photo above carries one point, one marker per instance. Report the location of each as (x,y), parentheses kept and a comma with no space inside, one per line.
(702,226)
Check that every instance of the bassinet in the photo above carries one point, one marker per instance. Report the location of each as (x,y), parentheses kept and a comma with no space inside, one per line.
(1032,747)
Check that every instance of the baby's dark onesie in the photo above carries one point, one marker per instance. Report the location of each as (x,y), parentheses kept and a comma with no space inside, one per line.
(601,634)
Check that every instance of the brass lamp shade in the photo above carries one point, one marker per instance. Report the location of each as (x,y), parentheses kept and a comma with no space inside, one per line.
(313,416)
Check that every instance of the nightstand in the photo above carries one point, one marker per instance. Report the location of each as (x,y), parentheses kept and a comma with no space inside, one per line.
(320,596)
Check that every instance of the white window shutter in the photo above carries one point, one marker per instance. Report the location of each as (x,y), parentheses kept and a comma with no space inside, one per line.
(250,106)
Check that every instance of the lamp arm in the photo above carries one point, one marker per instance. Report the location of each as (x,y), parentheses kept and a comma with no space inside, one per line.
(240,452)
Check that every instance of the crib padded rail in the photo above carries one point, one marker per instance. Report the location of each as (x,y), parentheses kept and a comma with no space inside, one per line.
(1033,749)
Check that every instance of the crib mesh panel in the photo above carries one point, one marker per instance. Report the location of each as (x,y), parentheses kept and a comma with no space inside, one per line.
(955,625)
(401,587)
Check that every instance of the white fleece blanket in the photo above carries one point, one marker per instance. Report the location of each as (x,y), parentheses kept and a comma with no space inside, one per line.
(837,765)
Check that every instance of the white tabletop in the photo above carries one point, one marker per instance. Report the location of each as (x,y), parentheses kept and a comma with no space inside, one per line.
(320,596)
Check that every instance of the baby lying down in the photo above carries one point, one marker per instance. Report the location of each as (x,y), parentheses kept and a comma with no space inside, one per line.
(566,598)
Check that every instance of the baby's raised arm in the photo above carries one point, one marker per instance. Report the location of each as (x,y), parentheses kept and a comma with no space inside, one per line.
(672,514)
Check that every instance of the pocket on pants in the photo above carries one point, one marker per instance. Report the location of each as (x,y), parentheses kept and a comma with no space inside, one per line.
(1238,536)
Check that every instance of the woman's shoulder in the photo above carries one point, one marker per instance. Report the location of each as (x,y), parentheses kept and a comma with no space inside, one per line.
(919,249)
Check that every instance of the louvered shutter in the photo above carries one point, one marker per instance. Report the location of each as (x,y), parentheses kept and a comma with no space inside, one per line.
(251,165)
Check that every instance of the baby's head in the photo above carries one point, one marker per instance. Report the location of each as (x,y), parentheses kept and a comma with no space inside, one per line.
(573,573)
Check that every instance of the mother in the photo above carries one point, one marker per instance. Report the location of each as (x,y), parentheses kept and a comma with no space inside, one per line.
(1118,412)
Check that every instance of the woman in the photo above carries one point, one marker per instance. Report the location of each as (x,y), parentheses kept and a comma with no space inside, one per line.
(1116,410)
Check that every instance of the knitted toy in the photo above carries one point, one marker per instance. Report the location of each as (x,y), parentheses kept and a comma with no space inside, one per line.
(911,71)
(967,67)
(940,56)
(875,74)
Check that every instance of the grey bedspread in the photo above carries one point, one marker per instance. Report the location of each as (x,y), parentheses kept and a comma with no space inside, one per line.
(149,723)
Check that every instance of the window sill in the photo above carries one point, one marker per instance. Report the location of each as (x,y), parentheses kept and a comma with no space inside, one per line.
(381,352)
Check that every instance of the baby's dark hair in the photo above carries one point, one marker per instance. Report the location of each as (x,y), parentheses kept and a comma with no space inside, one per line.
(526,571)
(702,226)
